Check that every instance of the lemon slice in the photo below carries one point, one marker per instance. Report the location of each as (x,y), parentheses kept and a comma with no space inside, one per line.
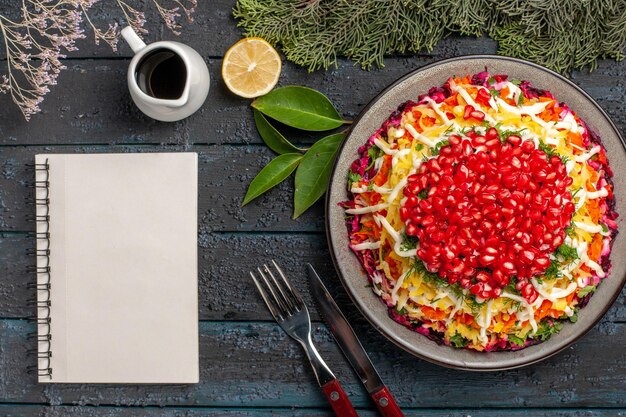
(251,68)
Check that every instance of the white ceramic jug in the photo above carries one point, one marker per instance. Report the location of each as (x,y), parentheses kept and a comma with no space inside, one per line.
(180,97)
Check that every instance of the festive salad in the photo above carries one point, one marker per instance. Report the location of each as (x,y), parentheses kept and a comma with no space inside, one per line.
(483,213)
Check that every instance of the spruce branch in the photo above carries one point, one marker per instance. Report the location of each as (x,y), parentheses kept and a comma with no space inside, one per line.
(560,34)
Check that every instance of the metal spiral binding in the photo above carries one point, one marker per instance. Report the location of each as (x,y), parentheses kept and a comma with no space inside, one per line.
(42,270)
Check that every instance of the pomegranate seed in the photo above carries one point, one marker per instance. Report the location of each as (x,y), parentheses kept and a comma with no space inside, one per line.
(514,140)
(477,288)
(542,262)
(492,133)
(412,178)
(486,260)
(478,115)
(501,207)
(465,282)
(482,276)
(528,256)
(492,143)
(467,112)
(528,290)
(404,213)
(528,146)
(483,96)
(411,229)
(454,140)
(411,201)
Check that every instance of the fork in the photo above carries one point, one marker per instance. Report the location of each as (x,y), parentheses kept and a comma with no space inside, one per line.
(286,305)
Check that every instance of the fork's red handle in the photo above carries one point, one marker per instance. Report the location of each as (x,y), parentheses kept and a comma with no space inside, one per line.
(386,404)
(338,399)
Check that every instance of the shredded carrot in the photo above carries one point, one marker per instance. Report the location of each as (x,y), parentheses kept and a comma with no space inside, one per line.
(505,91)
(508,325)
(433,313)
(381,176)
(427,121)
(570,297)
(543,310)
(417,115)
(452,100)
(574,138)
(466,319)
(464,80)
(595,249)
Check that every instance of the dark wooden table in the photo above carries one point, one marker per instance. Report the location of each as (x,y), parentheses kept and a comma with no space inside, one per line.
(249,367)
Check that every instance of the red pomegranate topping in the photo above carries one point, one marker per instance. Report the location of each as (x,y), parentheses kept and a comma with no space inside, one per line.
(486,211)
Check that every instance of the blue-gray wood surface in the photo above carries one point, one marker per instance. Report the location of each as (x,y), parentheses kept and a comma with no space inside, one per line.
(248,366)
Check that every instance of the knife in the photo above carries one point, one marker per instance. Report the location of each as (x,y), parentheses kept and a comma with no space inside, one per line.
(352,348)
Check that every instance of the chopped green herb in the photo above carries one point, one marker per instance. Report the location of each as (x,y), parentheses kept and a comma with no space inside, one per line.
(520,99)
(422,194)
(419,147)
(433,278)
(494,92)
(573,318)
(547,328)
(516,340)
(437,148)
(456,290)
(491,81)
(354,177)
(427,276)
(553,271)
(508,132)
(567,252)
(511,287)
(473,304)
(586,291)
(512,304)
(458,341)
(402,311)
(605,229)
(408,242)
(374,152)
(549,150)
(516,82)
(569,230)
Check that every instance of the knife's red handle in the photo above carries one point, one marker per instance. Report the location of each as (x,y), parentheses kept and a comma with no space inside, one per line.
(338,399)
(386,404)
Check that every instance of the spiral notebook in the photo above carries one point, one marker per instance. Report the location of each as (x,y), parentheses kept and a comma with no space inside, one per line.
(117,298)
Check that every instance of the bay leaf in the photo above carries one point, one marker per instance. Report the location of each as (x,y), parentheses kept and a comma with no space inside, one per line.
(314,172)
(300,107)
(272,174)
(272,137)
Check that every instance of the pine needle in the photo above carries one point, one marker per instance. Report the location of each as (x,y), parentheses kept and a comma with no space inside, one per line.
(563,35)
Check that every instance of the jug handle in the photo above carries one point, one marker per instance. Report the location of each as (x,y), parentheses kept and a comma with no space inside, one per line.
(133,40)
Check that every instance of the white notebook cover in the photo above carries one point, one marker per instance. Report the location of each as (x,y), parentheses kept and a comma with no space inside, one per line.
(123,268)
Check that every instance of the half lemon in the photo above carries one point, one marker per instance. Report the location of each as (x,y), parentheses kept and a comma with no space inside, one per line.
(251,68)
